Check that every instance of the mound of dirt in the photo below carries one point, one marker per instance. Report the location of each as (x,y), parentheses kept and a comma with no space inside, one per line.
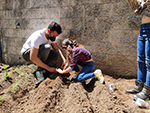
(20,93)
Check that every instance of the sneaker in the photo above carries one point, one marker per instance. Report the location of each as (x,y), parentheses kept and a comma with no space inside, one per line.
(99,75)
(34,66)
(39,75)
(76,75)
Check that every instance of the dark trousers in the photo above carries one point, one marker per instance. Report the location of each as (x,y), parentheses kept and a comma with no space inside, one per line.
(46,55)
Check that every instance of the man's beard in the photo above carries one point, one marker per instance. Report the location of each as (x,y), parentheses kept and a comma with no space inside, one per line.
(51,38)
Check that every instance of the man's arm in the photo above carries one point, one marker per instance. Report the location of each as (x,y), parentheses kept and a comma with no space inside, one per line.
(55,47)
(34,58)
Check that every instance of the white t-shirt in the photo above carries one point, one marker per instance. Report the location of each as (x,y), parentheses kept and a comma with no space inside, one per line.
(35,40)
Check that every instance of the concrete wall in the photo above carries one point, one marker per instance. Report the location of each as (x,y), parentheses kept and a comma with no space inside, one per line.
(107,28)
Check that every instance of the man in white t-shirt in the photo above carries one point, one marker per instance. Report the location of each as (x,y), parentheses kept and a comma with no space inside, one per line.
(37,49)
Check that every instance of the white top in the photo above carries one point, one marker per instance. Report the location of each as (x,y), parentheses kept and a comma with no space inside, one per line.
(35,40)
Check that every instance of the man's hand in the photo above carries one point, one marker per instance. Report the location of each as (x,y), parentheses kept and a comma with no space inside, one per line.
(53,70)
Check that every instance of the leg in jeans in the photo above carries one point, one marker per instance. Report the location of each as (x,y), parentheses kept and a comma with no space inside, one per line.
(84,73)
(145,93)
(147,60)
(141,71)
(142,59)
(76,68)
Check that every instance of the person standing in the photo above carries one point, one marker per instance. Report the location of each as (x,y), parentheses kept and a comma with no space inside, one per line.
(142,83)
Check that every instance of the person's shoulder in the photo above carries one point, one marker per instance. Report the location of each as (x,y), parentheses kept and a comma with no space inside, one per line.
(38,33)
(81,48)
(77,49)
(41,31)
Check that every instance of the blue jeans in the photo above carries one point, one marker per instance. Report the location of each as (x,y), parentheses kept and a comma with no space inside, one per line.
(85,73)
(143,54)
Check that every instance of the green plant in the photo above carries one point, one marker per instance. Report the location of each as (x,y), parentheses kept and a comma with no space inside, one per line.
(17,70)
(6,75)
(2,98)
(21,74)
(27,76)
(25,64)
(147,99)
(14,87)
(4,67)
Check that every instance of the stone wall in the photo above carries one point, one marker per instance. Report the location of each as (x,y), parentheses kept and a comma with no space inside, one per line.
(107,28)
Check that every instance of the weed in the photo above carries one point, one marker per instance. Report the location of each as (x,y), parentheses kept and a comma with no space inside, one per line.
(27,77)
(14,87)
(21,74)
(147,99)
(17,70)
(25,64)
(2,98)
(4,67)
(6,75)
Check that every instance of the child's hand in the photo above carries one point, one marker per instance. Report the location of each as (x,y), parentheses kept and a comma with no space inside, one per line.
(59,71)
(63,65)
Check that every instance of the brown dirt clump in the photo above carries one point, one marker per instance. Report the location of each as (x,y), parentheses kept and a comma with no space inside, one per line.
(19,93)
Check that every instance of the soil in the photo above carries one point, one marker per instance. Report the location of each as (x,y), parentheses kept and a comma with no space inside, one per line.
(21,93)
